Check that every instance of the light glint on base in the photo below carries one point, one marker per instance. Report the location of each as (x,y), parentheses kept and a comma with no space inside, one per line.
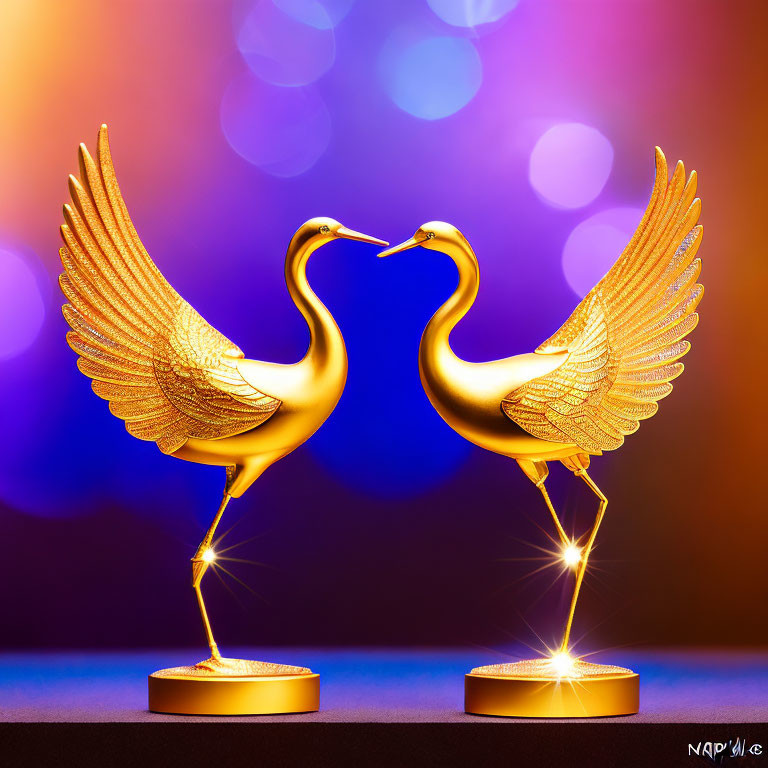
(555,686)
(563,664)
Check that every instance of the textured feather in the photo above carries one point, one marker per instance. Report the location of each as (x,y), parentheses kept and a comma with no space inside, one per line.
(626,335)
(164,370)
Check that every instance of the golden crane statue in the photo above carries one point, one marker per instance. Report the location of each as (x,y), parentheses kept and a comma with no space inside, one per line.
(588,385)
(172,377)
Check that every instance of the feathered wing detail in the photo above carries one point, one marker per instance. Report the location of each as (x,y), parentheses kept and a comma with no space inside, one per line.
(627,334)
(162,367)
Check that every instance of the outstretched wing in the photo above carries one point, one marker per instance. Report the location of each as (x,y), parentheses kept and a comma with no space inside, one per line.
(625,337)
(162,367)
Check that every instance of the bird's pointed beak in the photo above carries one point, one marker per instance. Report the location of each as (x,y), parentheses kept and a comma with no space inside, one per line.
(412,243)
(350,234)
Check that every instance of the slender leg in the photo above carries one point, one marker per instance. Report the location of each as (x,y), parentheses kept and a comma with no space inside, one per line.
(564,540)
(200,563)
(537,472)
(582,473)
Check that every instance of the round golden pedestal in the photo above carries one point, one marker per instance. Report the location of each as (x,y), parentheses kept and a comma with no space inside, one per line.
(202,690)
(532,689)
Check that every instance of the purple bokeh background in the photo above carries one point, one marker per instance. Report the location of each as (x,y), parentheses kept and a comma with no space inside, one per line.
(386,527)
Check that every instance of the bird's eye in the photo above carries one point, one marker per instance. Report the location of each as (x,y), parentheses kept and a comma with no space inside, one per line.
(325,229)
(430,235)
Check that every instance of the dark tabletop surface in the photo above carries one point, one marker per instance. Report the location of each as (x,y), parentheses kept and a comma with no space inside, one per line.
(375,685)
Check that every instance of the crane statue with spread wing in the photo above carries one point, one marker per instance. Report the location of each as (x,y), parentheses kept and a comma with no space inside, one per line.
(588,386)
(172,377)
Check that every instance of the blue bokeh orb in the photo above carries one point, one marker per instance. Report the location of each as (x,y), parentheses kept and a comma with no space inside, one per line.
(471,13)
(432,78)
(283,50)
(321,14)
(283,131)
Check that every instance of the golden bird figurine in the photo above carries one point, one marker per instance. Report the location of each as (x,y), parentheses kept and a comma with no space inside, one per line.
(172,377)
(597,377)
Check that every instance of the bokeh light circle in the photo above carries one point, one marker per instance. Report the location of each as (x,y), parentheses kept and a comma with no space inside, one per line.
(22,307)
(595,244)
(283,131)
(281,49)
(434,77)
(471,13)
(570,164)
(321,14)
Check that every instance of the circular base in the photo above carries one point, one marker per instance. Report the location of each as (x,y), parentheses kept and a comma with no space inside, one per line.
(533,689)
(225,690)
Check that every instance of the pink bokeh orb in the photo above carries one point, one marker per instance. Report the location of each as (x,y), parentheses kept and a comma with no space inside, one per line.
(570,164)
(22,308)
(595,245)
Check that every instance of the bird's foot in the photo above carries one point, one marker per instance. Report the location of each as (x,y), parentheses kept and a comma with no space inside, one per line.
(247,668)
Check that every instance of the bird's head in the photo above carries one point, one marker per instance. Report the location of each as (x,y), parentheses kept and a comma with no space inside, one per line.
(322,230)
(435,235)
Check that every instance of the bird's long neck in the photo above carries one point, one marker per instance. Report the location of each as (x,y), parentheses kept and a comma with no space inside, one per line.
(437,333)
(326,344)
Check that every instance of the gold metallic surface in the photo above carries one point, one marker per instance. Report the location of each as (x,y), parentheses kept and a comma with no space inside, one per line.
(528,689)
(172,377)
(594,380)
(233,694)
